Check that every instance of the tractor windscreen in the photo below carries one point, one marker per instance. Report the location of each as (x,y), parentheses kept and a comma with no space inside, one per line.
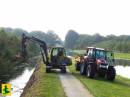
(100,54)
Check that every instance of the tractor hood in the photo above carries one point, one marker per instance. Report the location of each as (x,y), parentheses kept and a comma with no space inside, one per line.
(101,61)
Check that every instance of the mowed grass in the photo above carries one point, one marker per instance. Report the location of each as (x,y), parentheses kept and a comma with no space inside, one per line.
(45,85)
(100,87)
(122,55)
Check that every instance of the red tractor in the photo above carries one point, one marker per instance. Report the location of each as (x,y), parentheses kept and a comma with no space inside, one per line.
(97,62)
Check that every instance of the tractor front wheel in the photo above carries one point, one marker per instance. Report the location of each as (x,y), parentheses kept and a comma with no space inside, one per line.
(111,73)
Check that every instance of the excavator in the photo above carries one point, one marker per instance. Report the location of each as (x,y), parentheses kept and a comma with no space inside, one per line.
(57,58)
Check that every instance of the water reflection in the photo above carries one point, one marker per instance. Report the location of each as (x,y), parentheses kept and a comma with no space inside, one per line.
(17,74)
(20,82)
(123,71)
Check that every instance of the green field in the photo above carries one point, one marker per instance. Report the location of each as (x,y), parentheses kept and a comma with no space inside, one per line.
(122,55)
(100,87)
(45,85)
(79,51)
(116,55)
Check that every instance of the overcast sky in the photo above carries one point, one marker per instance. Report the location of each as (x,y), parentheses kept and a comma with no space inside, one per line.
(84,16)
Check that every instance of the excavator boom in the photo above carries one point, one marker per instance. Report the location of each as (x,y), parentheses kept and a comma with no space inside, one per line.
(41,43)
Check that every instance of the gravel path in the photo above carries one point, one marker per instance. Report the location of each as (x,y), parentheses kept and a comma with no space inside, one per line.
(73,87)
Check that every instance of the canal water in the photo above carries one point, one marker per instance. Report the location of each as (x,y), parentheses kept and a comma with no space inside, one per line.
(123,67)
(18,76)
(19,83)
(123,71)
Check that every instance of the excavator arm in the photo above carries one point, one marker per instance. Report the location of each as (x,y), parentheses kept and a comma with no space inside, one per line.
(42,44)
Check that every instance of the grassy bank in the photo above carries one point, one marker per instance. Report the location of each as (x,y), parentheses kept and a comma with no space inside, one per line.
(122,55)
(100,87)
(44,85)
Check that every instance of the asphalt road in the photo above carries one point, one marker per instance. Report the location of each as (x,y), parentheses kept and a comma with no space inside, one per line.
(73,87)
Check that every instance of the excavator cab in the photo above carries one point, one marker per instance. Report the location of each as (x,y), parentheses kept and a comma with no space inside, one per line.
(58,51)
(55,53)
(58,59)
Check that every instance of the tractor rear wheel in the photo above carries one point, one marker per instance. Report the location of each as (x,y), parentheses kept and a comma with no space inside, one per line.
(90,71)
(111,73)
(82,69)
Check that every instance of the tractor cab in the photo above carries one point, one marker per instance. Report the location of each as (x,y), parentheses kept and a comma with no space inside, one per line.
(96,53)
(101,55)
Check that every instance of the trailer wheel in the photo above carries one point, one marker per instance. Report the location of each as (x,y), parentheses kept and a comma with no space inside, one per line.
(111,73)
(63,69)
(82,69)
(90,71)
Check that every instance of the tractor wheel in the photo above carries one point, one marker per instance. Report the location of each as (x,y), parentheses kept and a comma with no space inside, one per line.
(90,71)
(63,69)
(111,73)
(82,69)
(48,70)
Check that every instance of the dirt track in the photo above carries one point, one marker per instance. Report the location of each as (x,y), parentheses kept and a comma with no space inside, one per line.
(73,87)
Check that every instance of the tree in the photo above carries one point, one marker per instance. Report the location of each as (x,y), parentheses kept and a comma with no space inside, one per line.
(70,39)
(51,38)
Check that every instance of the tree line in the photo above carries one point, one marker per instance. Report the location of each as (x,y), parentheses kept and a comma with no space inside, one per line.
(10,42)
(121,43)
